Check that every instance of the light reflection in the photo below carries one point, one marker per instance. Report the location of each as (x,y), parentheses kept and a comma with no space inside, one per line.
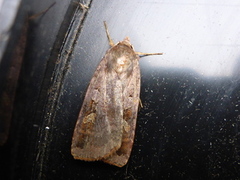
(198,36)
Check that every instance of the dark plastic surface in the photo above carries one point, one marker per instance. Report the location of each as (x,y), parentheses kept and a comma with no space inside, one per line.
(188,127)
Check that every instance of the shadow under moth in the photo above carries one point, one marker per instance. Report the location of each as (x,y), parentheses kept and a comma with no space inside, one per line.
(106,123)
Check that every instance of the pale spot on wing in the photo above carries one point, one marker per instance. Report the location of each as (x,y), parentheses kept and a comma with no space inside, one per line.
(89,118)
(120,64)
(126,126)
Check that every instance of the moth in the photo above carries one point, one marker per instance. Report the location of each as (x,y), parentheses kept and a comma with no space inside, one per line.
(105,127)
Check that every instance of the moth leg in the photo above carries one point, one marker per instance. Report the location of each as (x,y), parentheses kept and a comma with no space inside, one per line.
(147,54)
(140,103)
(110,41)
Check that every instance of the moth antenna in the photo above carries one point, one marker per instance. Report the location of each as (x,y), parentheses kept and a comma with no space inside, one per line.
(110,41)
(140,103)
(148,54)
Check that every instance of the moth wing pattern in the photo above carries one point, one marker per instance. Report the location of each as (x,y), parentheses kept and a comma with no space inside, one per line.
(131,97)
(106,124)
(97,133)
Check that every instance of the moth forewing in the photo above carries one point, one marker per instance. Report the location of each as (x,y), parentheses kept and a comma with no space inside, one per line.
(130,108)
(93,137)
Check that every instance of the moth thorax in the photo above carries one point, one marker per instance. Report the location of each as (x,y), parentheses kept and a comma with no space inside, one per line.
(123,64)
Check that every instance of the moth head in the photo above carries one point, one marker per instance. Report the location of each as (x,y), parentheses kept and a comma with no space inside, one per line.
(121,57)
(127,42)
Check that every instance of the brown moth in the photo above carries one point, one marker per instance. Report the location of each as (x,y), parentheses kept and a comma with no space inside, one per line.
(106,123)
